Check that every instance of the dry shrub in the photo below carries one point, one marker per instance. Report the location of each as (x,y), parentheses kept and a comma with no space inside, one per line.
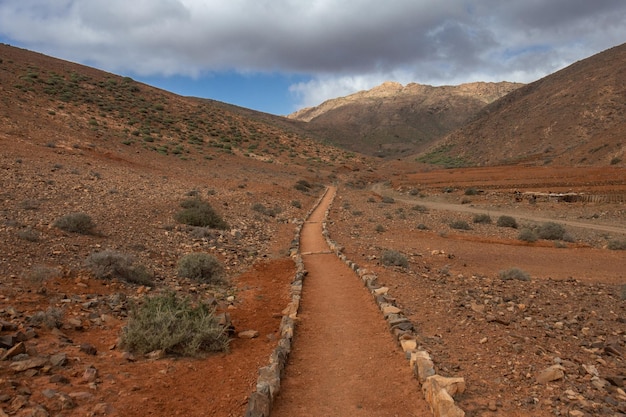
(174,325)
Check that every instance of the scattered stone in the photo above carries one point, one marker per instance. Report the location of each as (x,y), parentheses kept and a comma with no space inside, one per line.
(34,363)
(248,334)
(59,379)
(156,354)
(88,348)
(102,409)
(552,373)
(7,341)
(90,374)
(59,359)
(492,406)
(14,351)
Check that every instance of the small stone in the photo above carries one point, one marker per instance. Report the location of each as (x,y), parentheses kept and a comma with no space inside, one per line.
(90,374)
(381,291)
(483,341)
(102,409)
(14,351)
(492,405)
(387,310)
(59,379)
(24,365)
(552,373)
(59,359)
(248,334)
(156,354)
(88,348)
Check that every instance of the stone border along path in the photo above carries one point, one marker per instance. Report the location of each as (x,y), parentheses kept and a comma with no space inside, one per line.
(437,390)
(268,382)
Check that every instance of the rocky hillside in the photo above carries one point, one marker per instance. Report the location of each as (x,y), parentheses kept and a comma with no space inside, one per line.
(66,104)
(576,116)
(392,119)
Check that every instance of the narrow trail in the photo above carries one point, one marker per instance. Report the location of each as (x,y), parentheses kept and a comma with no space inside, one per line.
(344,361)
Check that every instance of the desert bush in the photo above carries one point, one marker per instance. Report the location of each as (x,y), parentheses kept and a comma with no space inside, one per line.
(507,221)
(422,226)
(388,200)
(172,324)
(272,212)
(394,258)
(527,235)
(514,273)
(109,264)
(75,223)
(30,204)
(616,244)
(41,273)
(482,219)
(296,204)
(52,318)
(199,213)
(302,185)
(28,234)
(379,228)
(201,267)
(420,208)
(471,191)
(357,213)
(460,225)
(551,231)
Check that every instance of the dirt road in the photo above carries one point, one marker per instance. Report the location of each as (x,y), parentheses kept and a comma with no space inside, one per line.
(344,361)
(436,205)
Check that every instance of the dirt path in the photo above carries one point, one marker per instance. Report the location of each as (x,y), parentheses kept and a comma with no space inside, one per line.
(436,205)
(344,362)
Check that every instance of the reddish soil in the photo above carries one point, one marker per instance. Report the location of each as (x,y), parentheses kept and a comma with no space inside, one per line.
(80,155)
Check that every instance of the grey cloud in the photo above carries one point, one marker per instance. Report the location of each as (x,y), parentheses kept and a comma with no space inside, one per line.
(438,40)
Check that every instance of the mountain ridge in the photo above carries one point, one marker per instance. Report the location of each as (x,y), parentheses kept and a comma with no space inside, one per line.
(391,119)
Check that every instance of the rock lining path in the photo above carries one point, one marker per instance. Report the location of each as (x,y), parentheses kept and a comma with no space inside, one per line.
(344,360)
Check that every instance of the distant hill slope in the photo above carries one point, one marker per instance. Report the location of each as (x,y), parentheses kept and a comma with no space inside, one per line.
(59,103)
(576,116)
(392,120)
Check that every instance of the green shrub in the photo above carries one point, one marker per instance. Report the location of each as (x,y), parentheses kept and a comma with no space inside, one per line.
(460,225)
(507,221)
(109,264)
(201,267)
(514,273)
(394,258)
(527,235)
(482,219)
(199,213)
(172,324)
(551,231)
(75,223)
(617,244)
(380,228)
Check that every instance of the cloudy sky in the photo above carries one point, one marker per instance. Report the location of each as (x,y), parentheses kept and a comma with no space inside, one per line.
(280,55)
